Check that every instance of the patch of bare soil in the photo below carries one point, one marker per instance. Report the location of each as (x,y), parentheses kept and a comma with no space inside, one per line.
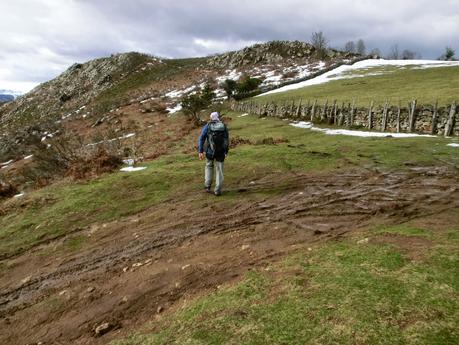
(132,270)
(413,247)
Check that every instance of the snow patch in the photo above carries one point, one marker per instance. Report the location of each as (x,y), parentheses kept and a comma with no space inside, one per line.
(148,99)
(179,93)
(230,74)
(246,114)
(175,109)
(28,157)
(453,145)
(19,195)
(111,140)
(130,169)
(329,131)
(6,163)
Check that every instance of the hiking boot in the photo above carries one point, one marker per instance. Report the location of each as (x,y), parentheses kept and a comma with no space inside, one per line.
(218,193)
(207,189)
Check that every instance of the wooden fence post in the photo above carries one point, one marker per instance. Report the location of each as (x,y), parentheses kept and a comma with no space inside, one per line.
(334,119)
(298,109)
(412,116)
(341,115)
(313,110)
(292,109)
(450,122)
(351,117)
(306,111)
(370,116)
(398,116)
(323,115)
(434,118)
(384,116)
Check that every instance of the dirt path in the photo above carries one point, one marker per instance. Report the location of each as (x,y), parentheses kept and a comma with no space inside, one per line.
(135,268)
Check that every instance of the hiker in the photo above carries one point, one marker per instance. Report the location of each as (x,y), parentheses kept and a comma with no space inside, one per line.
(216,135)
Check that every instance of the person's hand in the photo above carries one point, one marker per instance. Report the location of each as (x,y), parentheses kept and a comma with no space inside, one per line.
(201,156)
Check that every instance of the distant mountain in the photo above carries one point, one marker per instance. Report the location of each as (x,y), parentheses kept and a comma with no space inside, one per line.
(8,95)
(6,98)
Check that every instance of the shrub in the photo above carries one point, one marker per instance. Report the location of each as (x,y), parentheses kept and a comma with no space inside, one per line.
(7,190)
(193,104)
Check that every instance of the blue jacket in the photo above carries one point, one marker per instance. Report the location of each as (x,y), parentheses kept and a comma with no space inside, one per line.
(202,140)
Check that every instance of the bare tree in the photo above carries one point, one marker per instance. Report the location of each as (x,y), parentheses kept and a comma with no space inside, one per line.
(394,53)
(375,51)
(349,47)
(409,55)
(319,42)
(361,49)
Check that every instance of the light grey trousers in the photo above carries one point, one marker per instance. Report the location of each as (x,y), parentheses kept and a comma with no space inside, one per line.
(209,172)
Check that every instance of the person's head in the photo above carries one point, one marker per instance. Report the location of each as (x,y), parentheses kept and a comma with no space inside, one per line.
(214,116)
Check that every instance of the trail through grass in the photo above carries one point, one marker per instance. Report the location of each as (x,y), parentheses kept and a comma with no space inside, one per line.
(66,206)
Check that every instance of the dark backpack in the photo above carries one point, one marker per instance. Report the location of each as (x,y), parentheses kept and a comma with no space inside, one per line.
(217,139)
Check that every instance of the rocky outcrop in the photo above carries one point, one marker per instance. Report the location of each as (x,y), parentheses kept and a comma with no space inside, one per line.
(271,53)
(78,85)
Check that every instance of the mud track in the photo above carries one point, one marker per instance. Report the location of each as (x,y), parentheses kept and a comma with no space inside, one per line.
(132,269)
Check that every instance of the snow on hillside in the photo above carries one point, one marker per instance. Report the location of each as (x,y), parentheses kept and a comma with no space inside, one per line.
(345,71)
(355,133)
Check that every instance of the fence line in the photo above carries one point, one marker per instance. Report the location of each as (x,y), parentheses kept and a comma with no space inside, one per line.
(414,118)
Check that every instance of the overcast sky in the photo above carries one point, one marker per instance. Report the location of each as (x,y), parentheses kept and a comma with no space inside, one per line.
(39,39)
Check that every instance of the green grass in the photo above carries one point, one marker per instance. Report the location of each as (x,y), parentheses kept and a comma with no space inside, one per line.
(58,209)
(396,85)
(404,230)
(338,293)
(76,205)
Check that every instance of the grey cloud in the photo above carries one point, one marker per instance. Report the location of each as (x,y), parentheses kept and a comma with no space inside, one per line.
(41,38)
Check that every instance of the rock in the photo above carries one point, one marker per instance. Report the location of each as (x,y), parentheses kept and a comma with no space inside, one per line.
(137,264)
(64,97)
(363,241)
(90,289)
(159,310)
(103,328)
(124,300)
(26,280)
(245,246)
(185,267)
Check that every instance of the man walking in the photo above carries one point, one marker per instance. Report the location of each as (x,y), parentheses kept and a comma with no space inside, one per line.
(215,133)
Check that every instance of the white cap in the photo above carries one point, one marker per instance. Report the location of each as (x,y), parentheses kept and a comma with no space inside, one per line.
(214,116)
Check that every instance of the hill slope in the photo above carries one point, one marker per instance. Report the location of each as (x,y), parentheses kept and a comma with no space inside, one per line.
(379,80)
(124,248)
(87,95)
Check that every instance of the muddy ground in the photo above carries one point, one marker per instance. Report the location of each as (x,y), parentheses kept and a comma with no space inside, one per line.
(142,267)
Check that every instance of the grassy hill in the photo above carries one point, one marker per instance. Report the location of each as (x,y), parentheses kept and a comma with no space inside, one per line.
(328,260)
(393,83)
